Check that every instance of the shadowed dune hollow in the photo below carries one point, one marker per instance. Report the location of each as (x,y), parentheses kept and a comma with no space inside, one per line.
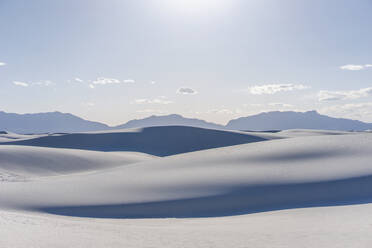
(158,141)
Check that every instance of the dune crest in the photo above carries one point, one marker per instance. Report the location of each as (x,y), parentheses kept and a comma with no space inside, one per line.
(158,141)
(18,163)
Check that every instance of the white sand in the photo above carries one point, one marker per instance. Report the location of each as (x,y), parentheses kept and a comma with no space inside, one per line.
(325,227)
(293,173)
(9,137)
(29,162)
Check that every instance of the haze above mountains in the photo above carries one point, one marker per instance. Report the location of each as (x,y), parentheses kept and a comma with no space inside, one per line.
(53,122)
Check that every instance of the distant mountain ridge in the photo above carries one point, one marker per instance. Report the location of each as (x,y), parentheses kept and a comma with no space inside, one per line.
(169,120)
(47,122)
(53,122)
(277,120)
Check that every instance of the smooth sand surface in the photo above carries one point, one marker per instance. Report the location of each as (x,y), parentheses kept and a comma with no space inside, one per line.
(302,191)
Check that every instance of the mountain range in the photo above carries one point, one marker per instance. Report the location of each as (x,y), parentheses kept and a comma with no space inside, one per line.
(169,120)
(50,122)
(277,120)
(53,122)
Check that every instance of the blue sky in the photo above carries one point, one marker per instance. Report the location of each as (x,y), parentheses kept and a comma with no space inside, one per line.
(116,60)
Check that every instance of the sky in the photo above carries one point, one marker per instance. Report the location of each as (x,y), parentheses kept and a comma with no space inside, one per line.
(116,60)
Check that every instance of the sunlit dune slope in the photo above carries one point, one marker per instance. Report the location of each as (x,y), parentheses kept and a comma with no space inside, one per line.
(276,174)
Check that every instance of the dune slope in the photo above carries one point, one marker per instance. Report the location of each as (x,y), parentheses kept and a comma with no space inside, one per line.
(325,227)
(21,162)
(159,141)
(277,174)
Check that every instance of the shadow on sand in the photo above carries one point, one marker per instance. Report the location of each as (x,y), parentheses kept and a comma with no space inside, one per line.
(241,200)
(158,141)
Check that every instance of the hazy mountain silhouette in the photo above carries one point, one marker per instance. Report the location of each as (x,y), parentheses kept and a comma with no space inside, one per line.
(47,122)
(54,122)
(169,120)
(295,120)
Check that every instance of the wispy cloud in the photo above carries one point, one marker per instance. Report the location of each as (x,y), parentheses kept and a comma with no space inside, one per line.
(22,84)
(274,88)
(222,111)
(129,81)
(38,83)
(103,81)
(186,91)
(325,95)
(153,111)
(158,100)
(43,83)
(79,80)
(2,63)
(351,67)
(352,110)
(279,104)
(89,104)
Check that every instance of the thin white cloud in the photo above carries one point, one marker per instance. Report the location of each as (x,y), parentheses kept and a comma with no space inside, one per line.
(140,101)
(22,84)
(89,104)
(186,91)
(153,111)
(91,86)
(31,84)
(152,82)
(129,81)
(353,111)
(104,81)
(158,100)
(274,88)
(351,67)
(79,80)
(325,95)
(279,104)
(223,110)
(43,83)
(2,63)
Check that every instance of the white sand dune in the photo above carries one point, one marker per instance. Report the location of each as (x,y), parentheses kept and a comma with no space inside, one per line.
(277,174)
(307,132)
(53,187)
(9,136)
(324,227)
(158,141)
(25,162)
